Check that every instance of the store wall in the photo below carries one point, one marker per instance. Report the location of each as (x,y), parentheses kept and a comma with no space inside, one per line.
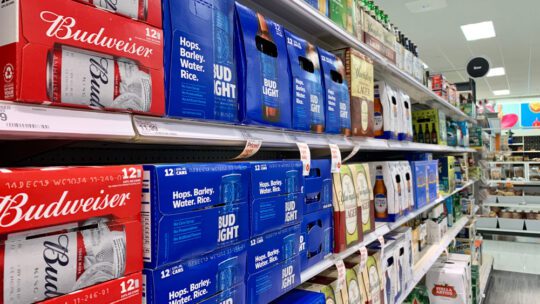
(522,115)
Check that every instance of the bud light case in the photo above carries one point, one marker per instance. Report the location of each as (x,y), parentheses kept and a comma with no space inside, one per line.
(267,285)
(420,183)
(306,85)
(200,66)
(233,295)
(273,178)
(336,94)
(272,248)
(271,213)
(297,296)
(67,53)
(194,280)
(263,78)
(318,186)
(316,240)
(192,209)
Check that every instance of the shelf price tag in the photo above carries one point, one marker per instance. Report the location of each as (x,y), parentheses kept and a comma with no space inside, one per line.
(341,273)
(353,153)
(336,158)
(146,127)
(363,257)
(305,157)
(251,148)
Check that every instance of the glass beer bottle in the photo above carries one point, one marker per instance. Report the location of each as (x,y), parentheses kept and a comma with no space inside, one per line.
(379,191)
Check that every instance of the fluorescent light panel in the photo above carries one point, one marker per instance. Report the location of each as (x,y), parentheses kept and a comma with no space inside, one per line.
(496,72)
(476,31)
(501,92)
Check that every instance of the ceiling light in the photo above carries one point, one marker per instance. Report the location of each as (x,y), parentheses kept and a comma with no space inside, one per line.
(477,31)
(496,72)
(501,92)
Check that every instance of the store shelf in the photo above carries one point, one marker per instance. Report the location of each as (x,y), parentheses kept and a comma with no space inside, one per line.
(300,17)
(516,144)
(485,274)
(530,151)
(381,229)
(514,162)
(516,183)
(22,121)
(513,205)
(430,257)
(509,232)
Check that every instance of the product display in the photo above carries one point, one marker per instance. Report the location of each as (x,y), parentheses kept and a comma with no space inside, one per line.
(430,127)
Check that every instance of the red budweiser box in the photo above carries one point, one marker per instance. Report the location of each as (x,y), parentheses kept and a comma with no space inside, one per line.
(438,82)
(68,53)
(65,229)
(148,11)
(125,290)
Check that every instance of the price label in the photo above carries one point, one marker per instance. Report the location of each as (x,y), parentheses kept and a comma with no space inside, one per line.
(251,148)
(336,158)
(305,157)
(341,274)
(146,127)
(353,153)
(363,257)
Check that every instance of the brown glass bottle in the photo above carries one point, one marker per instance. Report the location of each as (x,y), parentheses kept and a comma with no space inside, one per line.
(269,74)
(378,126)
(380,194)
(434,137)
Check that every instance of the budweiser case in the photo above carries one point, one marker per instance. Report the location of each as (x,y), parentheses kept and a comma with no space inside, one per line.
(148,11)
(124,290)
(84,229)
(67,53)
(193,209)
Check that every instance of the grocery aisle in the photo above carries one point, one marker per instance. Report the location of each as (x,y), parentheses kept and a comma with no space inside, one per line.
(511,287)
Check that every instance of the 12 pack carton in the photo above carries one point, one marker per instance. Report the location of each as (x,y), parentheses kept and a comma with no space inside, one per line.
(306,85)
(262,64)
(316,239)
(192,209)
(318,186)
(267,285)
(67,53)
(200,64)
(194,280)
(300,296)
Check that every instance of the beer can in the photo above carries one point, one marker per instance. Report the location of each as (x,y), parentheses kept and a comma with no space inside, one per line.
(84,77)
(136,9)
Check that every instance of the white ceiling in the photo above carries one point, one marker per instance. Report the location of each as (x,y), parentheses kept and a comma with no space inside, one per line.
(443,47)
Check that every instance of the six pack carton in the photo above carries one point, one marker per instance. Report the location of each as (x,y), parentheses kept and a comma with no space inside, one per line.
(447,179)
(341,12)
(192,209)
(408,188)
(320,5)
(373,277)
(406,129)
(200,66)
(355,280)
(359,73)
(336,94)
(389,190)
(364,194)
(318,186)
(194,280)
(67,53)
(388,127)
(325,286)
(347,211)
(316,240)
(306,85)
(65,229)
(276,197)
(262,62)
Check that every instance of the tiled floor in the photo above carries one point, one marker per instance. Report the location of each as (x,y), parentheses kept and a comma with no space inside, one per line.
(513,288)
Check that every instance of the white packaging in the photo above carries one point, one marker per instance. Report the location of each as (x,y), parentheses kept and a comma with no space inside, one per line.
(406,117)
(408,194)
(449,281)
(389,104)
(392,289)
(436,230)
(394,188)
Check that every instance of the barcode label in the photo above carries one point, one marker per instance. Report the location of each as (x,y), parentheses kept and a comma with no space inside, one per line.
(20,125)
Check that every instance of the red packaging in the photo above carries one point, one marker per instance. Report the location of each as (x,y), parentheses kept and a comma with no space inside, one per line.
(148,11)
(64,229)
(437,82)
(442,94)
(124,290)
(68,53)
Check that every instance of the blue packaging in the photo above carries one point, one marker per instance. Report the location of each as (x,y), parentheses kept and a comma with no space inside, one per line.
(192,281)
(433,180)
(268,285)
(316,240)
(233,295)
(192,209)
(273,178)
(318,186)
(200,67)
(320,5)
(337,102)
(262,65)
(420,183)
(271,213)
(272,248)
(306,85)
(298,296)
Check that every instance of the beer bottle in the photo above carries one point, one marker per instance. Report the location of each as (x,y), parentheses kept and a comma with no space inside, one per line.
(378,114)
(427,136)
(434,137)
(269,75)
(379,191)
(420,135)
